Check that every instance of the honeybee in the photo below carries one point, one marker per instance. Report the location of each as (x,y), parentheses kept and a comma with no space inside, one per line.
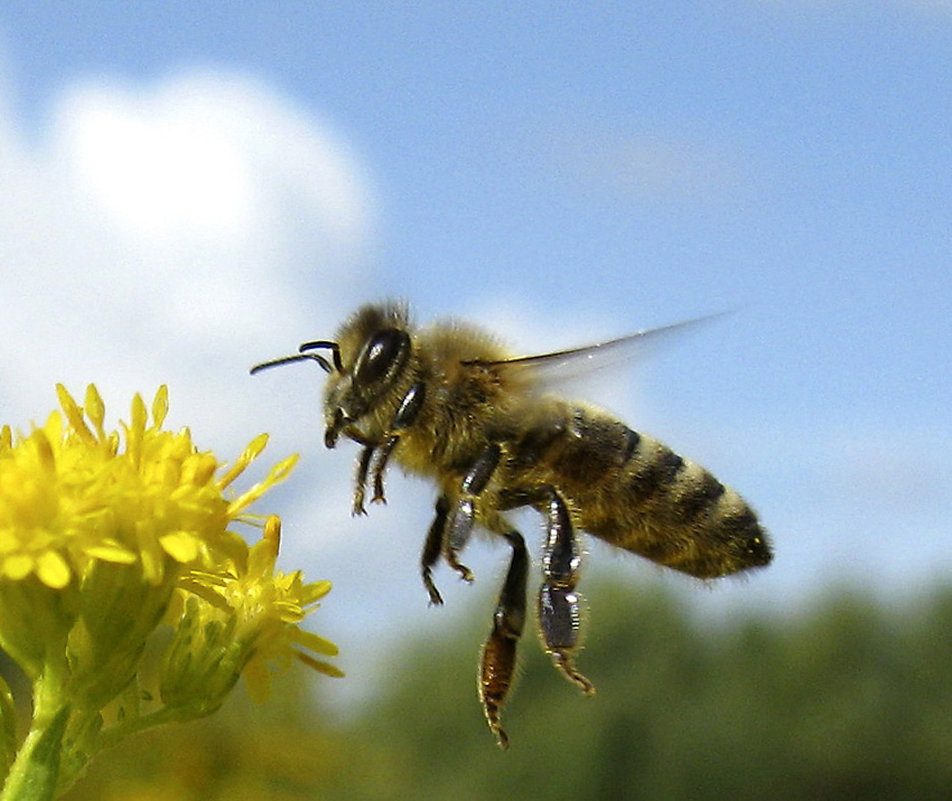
(448,402)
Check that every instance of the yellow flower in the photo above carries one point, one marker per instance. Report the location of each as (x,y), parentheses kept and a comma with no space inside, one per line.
(255,609)
(76,509)
(103,537)
(69,496)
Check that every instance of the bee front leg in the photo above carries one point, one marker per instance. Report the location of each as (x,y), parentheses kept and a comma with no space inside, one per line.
(405,416)
(498,661)
(380,467)
(464,518)
(360,482)
(432,548)
(559,615)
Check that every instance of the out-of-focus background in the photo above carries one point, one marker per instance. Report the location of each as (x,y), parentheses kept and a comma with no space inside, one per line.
(191,187)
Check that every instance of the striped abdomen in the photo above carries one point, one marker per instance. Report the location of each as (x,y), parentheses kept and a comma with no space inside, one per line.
(636,493)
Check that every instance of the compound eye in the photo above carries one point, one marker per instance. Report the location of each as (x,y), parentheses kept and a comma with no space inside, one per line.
(380,355)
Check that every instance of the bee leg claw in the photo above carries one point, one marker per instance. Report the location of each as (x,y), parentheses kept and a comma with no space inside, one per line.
(465,573)
(564,662)
(435,598)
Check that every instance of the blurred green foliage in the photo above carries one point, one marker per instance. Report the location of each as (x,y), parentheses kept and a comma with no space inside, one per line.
(845,700)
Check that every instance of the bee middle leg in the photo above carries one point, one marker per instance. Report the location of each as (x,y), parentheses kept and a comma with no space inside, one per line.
(464,517)
(433,546)
(498,660)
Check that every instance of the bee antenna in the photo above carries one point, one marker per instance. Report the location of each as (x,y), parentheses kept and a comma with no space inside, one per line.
(323,343)
(298,357)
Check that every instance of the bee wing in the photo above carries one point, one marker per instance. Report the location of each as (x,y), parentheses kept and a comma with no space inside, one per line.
(565,365)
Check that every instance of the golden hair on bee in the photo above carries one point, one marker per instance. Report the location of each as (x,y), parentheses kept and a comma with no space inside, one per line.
(449,403)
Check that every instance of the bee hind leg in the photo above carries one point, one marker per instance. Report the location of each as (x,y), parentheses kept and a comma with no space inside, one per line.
(498,660)
(559,604)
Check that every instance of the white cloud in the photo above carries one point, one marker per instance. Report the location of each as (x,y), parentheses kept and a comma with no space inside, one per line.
(173,233)
(179,233)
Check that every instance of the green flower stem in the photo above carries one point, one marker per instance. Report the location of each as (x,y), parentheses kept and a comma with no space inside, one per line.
(45,767)
(8,728)
(35,773)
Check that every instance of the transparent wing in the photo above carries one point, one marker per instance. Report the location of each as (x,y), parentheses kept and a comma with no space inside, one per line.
(566,365)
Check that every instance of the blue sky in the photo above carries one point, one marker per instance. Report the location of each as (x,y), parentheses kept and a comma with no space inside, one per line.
(193,187)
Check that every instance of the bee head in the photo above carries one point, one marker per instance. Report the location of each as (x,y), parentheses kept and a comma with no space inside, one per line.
(366,360)
(373,350)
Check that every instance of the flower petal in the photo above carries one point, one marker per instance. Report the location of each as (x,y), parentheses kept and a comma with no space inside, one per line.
(53,570)
(182,546)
